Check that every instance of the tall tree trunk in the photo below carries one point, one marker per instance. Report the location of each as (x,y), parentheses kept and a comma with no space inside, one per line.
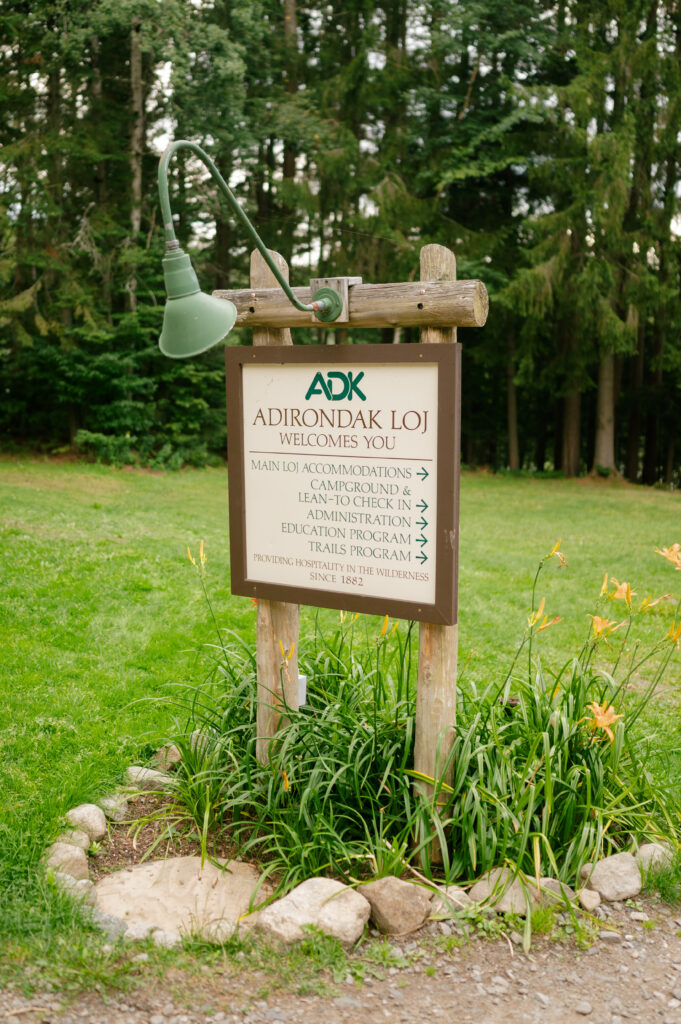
(540,446)
(290,149)
(100,183)
(223,253)
(468,449)
(54,172)
(604,451)
(635,392)
(650,455)
(558,427)
(262,179)
(572,405)
(136,148)
(669,466)
(54,113)
(96,101)
(512,411)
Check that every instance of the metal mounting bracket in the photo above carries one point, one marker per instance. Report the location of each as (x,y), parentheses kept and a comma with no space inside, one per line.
(340,284)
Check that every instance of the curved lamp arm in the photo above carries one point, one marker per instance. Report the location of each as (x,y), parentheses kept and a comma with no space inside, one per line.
(323,306)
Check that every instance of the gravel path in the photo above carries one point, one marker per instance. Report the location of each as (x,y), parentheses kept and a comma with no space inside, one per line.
(635,976)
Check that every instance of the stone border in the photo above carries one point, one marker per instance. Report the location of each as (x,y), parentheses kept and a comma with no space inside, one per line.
(66,859)
(396,907)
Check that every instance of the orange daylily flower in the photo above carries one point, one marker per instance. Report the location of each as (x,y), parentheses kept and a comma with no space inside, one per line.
(604,585)
(287,657)
(559,554)
(287,785)
(672,554)
(623,591)
(384,627)
(603,627)
(603,718)
(647,602)
(201,566)
(674,633)
(536,616)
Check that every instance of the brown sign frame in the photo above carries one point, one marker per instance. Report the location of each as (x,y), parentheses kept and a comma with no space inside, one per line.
(448,360)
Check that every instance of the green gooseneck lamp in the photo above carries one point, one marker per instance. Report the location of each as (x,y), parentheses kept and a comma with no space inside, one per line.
(193,321)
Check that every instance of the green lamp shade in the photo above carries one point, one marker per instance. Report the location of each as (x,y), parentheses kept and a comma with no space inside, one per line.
(192,322)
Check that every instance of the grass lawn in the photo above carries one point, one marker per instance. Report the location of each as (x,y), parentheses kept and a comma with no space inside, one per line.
(100,611)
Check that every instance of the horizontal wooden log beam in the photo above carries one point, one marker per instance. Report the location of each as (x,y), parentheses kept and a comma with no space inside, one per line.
(405,304)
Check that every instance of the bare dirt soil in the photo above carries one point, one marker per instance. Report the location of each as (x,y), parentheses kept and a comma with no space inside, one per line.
(636,977)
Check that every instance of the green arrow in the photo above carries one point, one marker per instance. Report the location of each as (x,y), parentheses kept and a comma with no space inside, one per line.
(421,540)
(423,473)
(422,522)
(421,557)
(423,505)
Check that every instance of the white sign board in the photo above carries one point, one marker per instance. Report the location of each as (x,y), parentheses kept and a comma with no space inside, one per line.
(335,484)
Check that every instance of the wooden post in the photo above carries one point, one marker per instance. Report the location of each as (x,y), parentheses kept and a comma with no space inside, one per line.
(278,622)
(436,685)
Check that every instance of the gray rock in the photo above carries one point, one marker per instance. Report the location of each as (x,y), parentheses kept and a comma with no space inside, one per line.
(584,1008)
(139,931)
(221,931)
(89,818)
(148,778)
(589,900)
(334,908)
(504,892)
(67,859)
(653,856)
(181,895)
(397,907)
(115,807)
(165,938)
(81,888)
(448,901)
(607,936)
(167,756)
(616,878)
(638,915)
(555,893)
(201,740)
(75,837)
(111,925)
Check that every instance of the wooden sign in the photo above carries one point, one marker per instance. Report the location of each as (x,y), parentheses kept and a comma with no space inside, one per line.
(344,477)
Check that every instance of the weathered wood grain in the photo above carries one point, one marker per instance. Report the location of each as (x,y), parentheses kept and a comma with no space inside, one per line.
(438,645)
(278,621)
(434,302)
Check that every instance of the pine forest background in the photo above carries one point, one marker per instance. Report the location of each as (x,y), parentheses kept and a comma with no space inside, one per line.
(540,141)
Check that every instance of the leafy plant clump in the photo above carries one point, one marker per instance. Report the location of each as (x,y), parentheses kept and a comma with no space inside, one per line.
(548,769)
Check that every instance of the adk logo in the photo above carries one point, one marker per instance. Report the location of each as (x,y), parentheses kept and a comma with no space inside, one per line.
(336,386)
